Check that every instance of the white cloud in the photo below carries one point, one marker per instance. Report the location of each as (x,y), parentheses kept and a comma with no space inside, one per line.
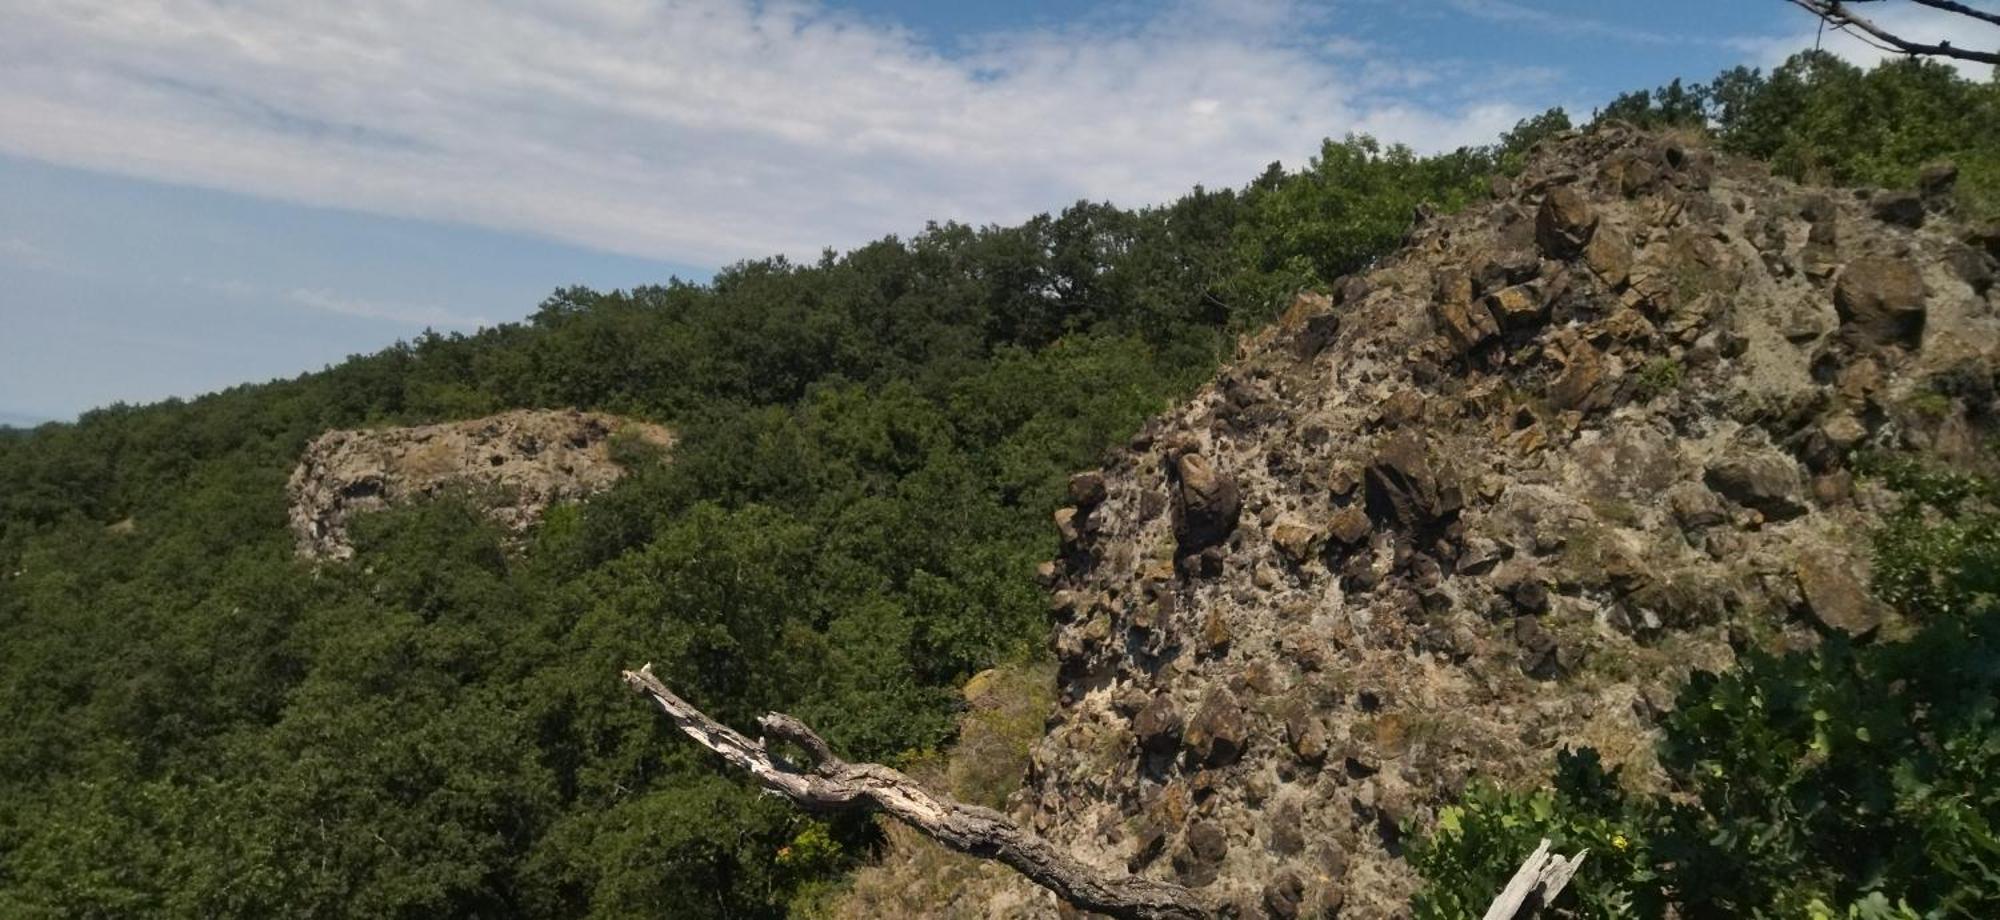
(404,313)
(328,301)
(696,131)
(1566,23)
(1912,22)
(25,252)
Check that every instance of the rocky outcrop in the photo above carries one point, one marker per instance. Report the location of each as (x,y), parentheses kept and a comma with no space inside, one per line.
(518,462)
(1882,300)
(1499,495)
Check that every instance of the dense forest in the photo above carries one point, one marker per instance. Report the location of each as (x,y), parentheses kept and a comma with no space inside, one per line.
(870,447)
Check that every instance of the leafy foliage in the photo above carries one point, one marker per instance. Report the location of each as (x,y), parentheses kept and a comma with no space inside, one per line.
(1817,118)
(869,448)
(1849,780)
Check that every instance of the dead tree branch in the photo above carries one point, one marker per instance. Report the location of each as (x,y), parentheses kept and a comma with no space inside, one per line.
(1961,9)
(1535,884)
(1837,14)
(832,783)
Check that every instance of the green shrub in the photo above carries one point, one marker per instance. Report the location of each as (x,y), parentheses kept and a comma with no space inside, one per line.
(1850,780)
(1659,377)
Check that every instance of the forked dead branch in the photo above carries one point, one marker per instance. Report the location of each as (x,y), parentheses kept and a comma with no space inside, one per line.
(829,783)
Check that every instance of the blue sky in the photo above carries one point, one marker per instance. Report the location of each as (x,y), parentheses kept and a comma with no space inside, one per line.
(200,193)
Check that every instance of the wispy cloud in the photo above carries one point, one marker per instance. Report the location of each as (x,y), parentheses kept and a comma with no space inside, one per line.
(407,314)
(1561,24)
(695,130)
(25,252)
(403,313)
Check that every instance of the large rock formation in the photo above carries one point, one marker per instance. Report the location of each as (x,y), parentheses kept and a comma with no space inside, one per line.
(1558,452)
(520,461)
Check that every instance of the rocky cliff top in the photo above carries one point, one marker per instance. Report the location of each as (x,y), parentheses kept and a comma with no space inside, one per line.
(523,460)
(1496,496)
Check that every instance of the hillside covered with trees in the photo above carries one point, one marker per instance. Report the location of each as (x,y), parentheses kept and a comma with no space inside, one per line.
(869,449)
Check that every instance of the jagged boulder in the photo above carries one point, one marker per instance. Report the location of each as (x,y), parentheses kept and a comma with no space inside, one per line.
(1901,208)
(1836,598)
(1404,488)
(1564,222)
(1207,503)
(1086,490)
(1216,735)
(1766,480)
(1157,726)
(1881,300)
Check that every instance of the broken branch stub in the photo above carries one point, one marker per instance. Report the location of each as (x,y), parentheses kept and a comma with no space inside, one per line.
(832,783)
(1535,884)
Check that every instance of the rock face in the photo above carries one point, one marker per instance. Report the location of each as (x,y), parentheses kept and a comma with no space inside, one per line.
(1438,544)
(1882,299)
(525,460)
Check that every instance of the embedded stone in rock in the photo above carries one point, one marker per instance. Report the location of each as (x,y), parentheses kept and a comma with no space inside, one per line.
(1762,479)
(1284,895)
(1294,538)
(1209,503)
(1836,598)
(1350,525)
(1985,237)
(1842,431)
(1200,859)
(1306,735)
(1216,735)
(1087,490)
(1882,300)
(1284,834)
(1068,528)
(1531,596)
(1901,208)
(1457,315)
(1479,556)
(1158,726)
(1609,254)
(1579,386)
(1319,332)
(1976,270)
(1404,488)
(1564,223)
(1507,267)
(1539,649)
(1466,323)
(1694,506)
(1518,307)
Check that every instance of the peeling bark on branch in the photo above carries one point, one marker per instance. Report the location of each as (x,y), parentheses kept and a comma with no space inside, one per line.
(832,783)
(1535,884)
(1837,14)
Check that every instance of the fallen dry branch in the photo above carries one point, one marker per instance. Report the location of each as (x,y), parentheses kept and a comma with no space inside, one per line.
(832,783)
